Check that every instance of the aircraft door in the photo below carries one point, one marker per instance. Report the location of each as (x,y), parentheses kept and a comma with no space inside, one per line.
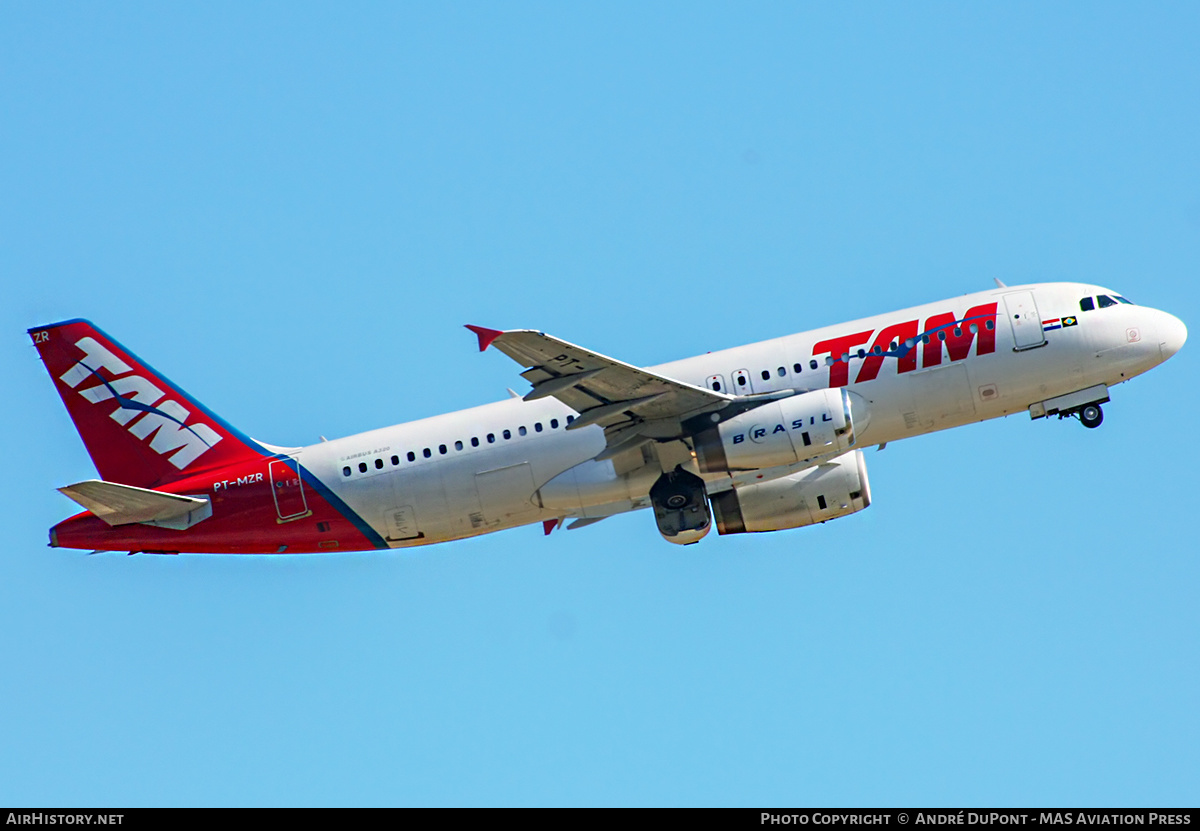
(741,382)
(716,383)
(1025,320)
(287,486)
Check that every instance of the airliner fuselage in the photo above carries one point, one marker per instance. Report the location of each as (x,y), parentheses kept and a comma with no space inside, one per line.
(761,437)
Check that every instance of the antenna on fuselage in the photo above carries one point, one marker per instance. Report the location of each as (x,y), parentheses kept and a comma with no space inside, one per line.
(1000,284)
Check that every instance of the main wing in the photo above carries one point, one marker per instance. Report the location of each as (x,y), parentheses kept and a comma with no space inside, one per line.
(633,405)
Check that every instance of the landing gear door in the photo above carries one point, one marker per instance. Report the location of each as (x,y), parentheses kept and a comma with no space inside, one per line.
(1025,320)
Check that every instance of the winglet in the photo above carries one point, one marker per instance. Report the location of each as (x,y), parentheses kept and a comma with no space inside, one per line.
(486,336)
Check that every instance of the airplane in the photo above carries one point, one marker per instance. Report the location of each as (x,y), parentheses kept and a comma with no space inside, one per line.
(757,438)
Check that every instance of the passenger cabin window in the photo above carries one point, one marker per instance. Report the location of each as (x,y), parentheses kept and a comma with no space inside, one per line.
(521,430)
(1086,304)
(797,368)
(458,445)
(1106,301)
(379,464)
(395,460)
(426,452)
(474,441)
(782,371)
(537,427)
(362,467)
(491,438)
(442,449)
(766,375)
(813,364)
(554,424)
(346,470)
(412,457)
(507,435)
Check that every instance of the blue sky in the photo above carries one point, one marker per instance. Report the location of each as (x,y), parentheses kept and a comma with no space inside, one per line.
(291,209)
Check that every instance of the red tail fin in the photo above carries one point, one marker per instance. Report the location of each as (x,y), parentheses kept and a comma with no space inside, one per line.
(138,427)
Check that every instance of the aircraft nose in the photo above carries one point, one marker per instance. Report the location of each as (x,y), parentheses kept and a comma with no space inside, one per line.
(1171,335)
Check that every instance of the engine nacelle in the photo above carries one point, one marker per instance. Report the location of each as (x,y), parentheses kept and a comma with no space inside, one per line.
(806,426)
(819,494)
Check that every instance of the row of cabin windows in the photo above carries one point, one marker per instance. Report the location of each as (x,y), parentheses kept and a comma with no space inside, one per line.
(442,449)
(741,380)
(1087,304)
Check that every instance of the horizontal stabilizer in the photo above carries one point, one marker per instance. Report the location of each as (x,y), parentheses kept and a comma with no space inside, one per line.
(125,504)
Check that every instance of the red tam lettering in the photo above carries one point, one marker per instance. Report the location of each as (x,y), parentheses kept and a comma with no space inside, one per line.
(898,333)
(958,338)
(839,370)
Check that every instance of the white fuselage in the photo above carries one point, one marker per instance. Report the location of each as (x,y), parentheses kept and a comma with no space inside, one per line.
(513,462)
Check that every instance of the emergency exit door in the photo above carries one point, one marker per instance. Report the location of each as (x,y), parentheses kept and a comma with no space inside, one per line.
(741,382)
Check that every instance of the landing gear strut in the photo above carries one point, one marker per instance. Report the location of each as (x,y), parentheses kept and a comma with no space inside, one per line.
(1091,415)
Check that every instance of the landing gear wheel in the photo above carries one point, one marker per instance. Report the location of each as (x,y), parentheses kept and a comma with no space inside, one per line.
(681,506)
(676,501)
(1091,416)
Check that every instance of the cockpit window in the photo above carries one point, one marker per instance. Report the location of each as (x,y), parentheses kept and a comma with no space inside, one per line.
(1106,301)
(1086,304)
(1121,299)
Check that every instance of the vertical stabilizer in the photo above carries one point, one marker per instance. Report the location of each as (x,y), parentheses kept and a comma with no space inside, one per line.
(138,427)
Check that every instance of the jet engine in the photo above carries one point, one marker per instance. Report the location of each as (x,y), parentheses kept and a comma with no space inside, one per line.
(828,491)
(802,427)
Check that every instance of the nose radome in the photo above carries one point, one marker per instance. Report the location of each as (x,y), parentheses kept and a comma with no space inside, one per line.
(1171,334)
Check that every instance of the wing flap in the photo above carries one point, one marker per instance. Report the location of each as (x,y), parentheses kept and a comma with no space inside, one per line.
(119,504)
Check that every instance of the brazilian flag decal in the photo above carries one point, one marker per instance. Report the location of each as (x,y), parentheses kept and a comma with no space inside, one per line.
(1069,321)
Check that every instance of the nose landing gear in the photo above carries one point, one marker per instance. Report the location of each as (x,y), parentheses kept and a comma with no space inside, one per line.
(1091,415)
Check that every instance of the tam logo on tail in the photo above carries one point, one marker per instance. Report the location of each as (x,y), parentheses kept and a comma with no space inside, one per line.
(142,408)
(139,428)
